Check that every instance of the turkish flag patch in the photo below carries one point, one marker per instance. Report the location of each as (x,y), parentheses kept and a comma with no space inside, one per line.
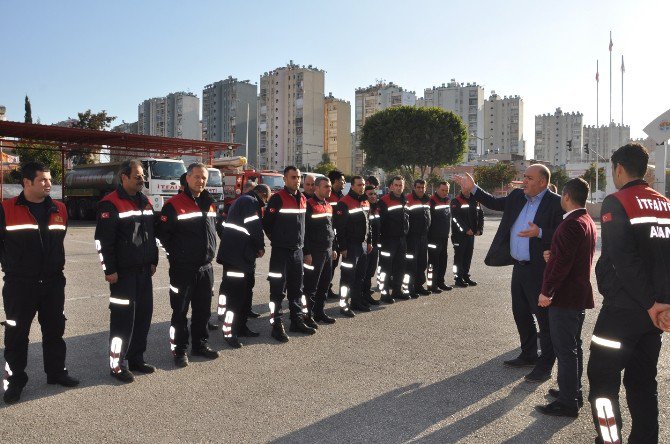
(607,217)
(273,210)
(339,211)
(104,215)
(163,218)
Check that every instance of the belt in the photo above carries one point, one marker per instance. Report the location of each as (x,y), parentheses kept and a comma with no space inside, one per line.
(516,262)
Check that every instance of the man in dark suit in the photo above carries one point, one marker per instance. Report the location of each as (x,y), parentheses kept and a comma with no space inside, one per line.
(530,217)
(567,292)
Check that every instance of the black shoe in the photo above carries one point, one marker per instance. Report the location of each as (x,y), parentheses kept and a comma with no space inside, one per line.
(12,394)
(538,376)
(212,326)
(332,294)
(62,379)
(520,362)
(360,307)
(141,367)
(370,300)
(253,314)
(322,317)
(554,393)
(422,291)
(246,332)
(402,296)
(278,332)
(445,287)
(299,326)
(181,360)
(309,321)
(124,375)
(556,408)
(387,300)
(414,295)
(435,290)
(233,341)
(346,311)
(205,351)
(460,282)
(470,282)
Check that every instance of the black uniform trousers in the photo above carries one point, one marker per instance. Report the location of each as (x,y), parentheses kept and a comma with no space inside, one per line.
(190,286)
(438,256)
(352,274)
(463,248)
(392,263)
(235,289)
(371,269)
(625,339)
(317,279)
(130,310)
(417,247)
(526,289)
(22,300)
(286,271)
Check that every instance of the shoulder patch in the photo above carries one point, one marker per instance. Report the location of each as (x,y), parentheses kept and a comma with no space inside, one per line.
(607,217)
(105,215)
(164,218)
(273,210)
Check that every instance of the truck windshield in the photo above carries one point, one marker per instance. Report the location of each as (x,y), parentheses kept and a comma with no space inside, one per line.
(166,170)
(274,182)
(214,178)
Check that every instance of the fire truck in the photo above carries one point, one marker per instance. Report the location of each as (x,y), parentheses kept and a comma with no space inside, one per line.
(236,176)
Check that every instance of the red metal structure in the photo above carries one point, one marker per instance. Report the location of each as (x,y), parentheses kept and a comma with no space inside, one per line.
(64,140)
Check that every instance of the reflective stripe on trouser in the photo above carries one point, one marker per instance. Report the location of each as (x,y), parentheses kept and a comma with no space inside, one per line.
(438,255)
(317,280)
(130,310)
(463,248)
(625,341)
(392,265)
(417,247)
(234,289)
(191,288)
(22,299)
(286,265)
(352,274)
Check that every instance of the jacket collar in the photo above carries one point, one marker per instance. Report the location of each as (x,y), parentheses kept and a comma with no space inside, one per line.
(437,196)
(21,200)
(357,197)
(635,182)
(573,214)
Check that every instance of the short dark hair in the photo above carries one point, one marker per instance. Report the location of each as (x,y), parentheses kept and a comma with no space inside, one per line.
(634,158)
(29,170)
(182,180)
(335,175)
(442,182)
(263,189)
(419,181)
(127,166)
(290,168)
(578,190)
(373,180)
(394,178)
(195,165)
(319,179)
(370,187)
(355,178)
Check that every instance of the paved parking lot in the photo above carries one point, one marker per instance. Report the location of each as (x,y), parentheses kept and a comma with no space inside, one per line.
(426,370)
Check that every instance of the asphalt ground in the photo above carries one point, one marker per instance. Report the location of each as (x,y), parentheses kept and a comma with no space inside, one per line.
(419,371)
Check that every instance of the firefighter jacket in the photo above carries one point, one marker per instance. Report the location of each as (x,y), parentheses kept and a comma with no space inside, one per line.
(440,216)
(394,216)
(319,234)
(335,197)
(124,234)
(466,214)
(375,227)
(351,220)
(242,232)
(284,219)
(419,214)
(28,250)
(187,229)
(634,266)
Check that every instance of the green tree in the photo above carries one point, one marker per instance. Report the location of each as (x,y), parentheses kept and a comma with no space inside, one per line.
(494,176)
(590,176)
(88,120)
(559,178)
(407,138)
(39,153)
(28,118)
(325,166)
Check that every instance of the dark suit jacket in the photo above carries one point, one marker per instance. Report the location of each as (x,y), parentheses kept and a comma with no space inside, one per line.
(549,215)
(567,277)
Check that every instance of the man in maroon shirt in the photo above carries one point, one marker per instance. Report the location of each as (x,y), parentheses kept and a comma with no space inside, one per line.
(567,291)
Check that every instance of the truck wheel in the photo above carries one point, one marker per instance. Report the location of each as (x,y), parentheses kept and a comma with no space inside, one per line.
(82,210)
(72,211)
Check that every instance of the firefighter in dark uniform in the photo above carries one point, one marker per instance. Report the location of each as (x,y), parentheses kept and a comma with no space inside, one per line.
(394,221)
(633,275)
(417,238)
(124,237)
(318,252)
(353,243)
(438,238)
(284,225)
(373,257)
(32,231)
(467,221)
(242,241)
(337,182)
(187,231)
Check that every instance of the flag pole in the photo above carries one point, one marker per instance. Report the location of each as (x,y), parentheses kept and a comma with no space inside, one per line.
(610,77)
(623,70)
(597,150)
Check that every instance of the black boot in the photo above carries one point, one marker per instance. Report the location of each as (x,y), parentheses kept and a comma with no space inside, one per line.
(469,281)
(309,321)
(445,287)
(278,331)
(13,393)
(370,300)
(205,351)
(298,326)
(63,379)
(422,291)
(233,341)
(460,282)
(246,332)
(324,318)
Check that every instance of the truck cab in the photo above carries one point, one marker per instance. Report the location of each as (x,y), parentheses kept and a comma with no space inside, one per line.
(215,184)
(162,179)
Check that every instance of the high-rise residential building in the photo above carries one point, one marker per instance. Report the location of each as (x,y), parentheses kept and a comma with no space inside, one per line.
(3,113)
(176,115)
(604,140)
(466,100)
(371,99)
(229,114)
(291,117)
(337,132)
(559,137)
(503,125)
(128,128)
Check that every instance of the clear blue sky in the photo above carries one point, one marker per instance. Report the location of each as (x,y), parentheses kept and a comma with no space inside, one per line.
(69,56)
